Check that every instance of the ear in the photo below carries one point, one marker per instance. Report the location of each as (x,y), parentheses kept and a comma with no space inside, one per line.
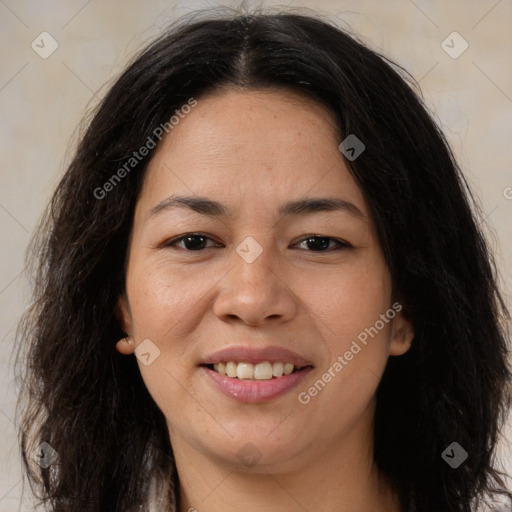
(402,334)
(123,314)
(124,346)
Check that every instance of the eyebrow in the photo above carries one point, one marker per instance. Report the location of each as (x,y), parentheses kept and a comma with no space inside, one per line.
(206,206)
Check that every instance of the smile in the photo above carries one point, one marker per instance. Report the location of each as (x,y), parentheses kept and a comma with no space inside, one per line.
(259,371)
(250,388)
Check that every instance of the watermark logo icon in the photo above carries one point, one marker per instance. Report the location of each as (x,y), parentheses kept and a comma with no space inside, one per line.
(249,249)
(352,147)
(44,45)
(45,455)
(146,352)
(249,454)
(454,45)
(454,455)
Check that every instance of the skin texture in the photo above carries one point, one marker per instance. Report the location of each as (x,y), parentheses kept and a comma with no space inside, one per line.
(253,151)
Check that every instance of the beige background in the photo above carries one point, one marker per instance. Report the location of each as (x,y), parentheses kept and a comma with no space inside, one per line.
(43,100)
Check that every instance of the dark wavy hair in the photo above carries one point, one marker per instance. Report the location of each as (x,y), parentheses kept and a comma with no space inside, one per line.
(90,403)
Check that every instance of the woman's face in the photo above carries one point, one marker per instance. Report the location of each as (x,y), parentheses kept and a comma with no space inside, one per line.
(259,284)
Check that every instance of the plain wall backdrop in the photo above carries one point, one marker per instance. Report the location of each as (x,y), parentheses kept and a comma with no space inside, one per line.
(44,95)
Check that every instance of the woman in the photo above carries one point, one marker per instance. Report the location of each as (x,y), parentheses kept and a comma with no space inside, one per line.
(261,284)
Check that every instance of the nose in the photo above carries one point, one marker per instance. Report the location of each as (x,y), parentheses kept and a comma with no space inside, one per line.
(255,293)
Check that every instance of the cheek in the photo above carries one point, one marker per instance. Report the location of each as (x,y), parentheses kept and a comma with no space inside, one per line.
(162,306)
(160,299)
(348,317)
(352,298)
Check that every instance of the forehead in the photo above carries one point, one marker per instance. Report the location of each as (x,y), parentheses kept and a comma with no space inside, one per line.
(251,148)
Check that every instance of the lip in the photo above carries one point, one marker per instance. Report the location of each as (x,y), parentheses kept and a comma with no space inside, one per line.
(242,354)
(254,391)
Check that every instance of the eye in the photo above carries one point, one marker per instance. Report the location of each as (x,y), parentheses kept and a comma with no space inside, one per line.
(319,243)
(191,242)
(198,241)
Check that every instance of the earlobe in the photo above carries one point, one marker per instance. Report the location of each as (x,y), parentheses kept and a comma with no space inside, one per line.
(125,346)
(402,335)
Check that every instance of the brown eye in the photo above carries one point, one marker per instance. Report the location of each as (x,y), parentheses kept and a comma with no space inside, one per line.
(190,242)
(317,243)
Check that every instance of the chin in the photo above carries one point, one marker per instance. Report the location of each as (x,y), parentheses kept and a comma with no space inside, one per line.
(257,452)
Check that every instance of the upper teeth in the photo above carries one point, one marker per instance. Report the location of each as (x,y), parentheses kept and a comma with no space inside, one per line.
(259,371)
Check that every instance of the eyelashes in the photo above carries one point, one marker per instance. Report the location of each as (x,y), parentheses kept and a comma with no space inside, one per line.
(195,242)
(340,244)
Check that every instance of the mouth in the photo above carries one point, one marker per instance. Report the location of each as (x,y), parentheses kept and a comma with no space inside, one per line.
(254,383)
(251,374)
(261,371)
